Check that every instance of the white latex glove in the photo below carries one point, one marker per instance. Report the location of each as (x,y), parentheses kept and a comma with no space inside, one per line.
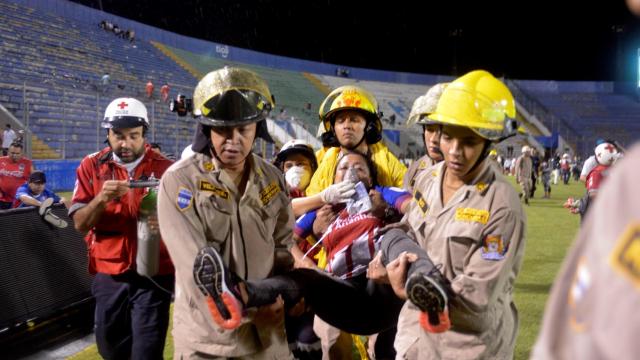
(338,193)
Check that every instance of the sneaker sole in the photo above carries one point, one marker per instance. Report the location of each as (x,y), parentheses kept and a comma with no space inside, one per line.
(427,295)
(224,307)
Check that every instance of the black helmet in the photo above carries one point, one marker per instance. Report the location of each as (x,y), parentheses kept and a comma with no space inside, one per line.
(231,97)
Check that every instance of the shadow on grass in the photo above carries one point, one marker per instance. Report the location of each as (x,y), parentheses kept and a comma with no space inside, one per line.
(533,288)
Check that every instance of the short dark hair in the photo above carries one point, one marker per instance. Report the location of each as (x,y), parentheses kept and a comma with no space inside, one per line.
(17,144)
(155,146)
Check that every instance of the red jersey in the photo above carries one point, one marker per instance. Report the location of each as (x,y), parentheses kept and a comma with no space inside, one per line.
(595,178)
(112,242)
(351,244)
(12,176)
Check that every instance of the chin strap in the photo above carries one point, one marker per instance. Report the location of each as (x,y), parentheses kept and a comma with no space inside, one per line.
(485,154)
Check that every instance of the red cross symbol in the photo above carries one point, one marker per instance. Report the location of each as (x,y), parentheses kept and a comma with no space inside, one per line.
(610,148)
(122,105)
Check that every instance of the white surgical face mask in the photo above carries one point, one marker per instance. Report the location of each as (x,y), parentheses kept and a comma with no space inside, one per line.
(298,177)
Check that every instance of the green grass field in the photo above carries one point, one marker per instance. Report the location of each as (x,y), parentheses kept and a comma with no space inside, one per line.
(550,231)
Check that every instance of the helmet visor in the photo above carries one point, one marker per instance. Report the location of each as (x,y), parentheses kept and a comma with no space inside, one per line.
(235,107)
(232,96)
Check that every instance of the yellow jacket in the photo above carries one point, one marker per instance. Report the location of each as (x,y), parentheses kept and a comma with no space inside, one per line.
(390,170)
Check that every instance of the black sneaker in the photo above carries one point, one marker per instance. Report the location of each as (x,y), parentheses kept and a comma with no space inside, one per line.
(429,294)
(215,281)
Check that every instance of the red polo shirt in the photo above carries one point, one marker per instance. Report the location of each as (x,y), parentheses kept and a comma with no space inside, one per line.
(112,243)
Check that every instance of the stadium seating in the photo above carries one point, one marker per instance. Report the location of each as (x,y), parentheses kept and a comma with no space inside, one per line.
(591,114)
(52,65)
(58,74)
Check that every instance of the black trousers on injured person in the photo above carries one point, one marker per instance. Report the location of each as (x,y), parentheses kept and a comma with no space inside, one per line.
(356,305)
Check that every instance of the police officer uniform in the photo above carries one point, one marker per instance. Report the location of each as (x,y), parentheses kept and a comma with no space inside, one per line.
(421,108)
(415,169)
(200,205)
(477,237)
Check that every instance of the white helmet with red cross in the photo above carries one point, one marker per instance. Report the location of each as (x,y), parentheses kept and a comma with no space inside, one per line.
(606,154)
(125,113)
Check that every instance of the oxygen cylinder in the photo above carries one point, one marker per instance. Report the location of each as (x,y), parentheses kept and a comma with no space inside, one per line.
(148,256)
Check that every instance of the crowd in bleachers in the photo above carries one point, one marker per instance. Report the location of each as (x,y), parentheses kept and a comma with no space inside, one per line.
(128,34)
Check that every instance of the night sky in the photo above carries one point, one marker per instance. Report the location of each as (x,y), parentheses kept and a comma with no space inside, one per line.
(562,40)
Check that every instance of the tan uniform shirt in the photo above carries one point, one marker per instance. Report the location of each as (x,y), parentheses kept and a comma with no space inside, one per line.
(478,238)
(524,167)
(414,170)
(592,312)
(199,205)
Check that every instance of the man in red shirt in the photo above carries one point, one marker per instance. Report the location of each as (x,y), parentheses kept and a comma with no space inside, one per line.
(132,311)
(149,89)
(164,92)
(14,171)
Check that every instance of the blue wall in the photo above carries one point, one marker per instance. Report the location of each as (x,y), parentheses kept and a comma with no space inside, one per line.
(61,174)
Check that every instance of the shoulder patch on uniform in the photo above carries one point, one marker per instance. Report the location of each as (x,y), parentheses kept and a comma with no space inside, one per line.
(493,248)
(579,287)
(269,192)
(434,173)
(218,191)
(422,203)
(625,257)
(422,165)
(208,166)
(472,215)
(481,186)
(184,199)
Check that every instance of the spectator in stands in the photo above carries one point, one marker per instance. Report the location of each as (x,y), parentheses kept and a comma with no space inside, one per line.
(8,137)
(422,107)
(33,193)
(105,82)
(132,311)
(164,92)
(14,171)
(149,89)
(132,36)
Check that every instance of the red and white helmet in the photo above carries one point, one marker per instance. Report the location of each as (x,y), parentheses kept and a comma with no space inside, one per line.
(125,113)
(606,154)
